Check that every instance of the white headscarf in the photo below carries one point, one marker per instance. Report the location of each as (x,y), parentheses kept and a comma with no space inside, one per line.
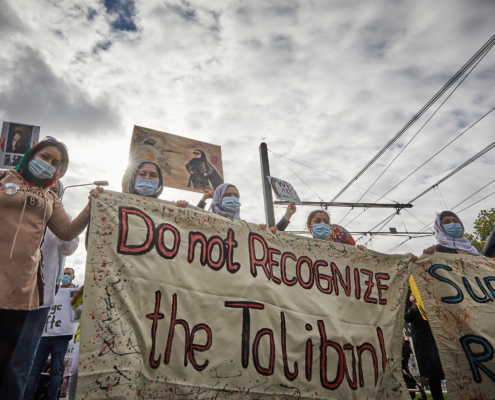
(453,243)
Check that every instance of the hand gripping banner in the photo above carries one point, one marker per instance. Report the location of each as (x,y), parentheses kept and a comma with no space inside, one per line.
(184,304)
(458,293)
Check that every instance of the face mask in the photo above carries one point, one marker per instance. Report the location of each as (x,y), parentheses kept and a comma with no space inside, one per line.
(41,169)
(65,280)
(146,187)
(321,231)
(230,204)
(454,230)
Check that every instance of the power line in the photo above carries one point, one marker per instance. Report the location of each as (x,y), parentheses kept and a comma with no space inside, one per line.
(416,134)
(324,173)
(449,175)
(448,144)
(486,47)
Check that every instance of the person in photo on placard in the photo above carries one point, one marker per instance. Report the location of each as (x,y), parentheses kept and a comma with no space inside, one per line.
(202,173)
(54,252)
(27,207)
(20,140)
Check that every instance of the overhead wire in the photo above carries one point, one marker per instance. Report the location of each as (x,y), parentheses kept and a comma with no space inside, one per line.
(416,134)
(449,175)
(484,49)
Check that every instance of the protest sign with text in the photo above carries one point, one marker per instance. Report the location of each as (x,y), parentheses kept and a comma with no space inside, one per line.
(283,190)
(181,303)
(458,293)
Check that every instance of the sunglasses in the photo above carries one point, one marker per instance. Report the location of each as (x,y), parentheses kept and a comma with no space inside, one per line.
(53,140)
(196,153)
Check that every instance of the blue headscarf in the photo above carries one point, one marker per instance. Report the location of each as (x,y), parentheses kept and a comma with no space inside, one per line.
(216,204)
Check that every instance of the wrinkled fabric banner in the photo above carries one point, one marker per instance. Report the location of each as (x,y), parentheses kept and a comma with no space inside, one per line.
(184,304)
(458,293)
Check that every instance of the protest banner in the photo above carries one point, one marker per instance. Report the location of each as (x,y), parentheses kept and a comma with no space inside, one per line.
(59,321)
(186,164)
(283,190)
(15,140)
(185,304)
(458,293)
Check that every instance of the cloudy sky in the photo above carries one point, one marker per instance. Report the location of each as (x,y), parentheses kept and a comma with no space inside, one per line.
(324,83)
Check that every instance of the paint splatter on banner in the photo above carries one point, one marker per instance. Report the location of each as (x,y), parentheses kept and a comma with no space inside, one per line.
(458,293)
(184,304)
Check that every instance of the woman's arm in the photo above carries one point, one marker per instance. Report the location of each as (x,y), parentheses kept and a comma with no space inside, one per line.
(62,226)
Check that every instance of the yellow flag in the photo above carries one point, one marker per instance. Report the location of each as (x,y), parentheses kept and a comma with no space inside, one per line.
(419,302)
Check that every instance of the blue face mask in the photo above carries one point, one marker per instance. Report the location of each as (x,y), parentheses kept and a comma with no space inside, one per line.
(321,231)
(230,204)
(65,280)
(146,187)
(41,169)
(454,230)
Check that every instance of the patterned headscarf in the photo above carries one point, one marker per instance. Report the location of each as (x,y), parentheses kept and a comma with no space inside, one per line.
(216,204)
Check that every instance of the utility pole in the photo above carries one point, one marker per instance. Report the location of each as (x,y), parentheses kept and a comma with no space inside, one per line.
(267,190)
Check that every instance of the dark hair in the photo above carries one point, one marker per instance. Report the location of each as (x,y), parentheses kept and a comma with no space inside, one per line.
(23,133)
(313,213)
(132,181)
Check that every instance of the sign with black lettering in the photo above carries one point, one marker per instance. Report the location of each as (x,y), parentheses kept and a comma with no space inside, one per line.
(181,303)
(458,293)
(59,322)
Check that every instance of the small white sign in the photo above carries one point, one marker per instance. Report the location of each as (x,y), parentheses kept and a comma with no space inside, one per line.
(283,190)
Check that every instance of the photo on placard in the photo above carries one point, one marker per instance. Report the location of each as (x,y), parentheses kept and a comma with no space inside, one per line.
(186,164)
(73,316)
(15,140)
(12,160)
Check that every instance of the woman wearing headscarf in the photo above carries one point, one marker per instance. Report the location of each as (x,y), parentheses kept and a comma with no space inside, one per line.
(319,226)
(202,173)
(146,180)
(27,207)
(449,232)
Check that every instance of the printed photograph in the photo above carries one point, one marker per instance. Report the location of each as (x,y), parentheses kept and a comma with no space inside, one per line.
(15,140)
(186,164)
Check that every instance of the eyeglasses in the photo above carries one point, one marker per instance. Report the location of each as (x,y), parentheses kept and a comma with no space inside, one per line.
(53,140)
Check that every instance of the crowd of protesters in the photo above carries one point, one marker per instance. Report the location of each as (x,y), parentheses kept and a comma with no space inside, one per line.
(37,234)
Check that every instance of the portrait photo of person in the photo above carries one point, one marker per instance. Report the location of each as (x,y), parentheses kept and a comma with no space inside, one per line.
(202,173)
(19,139)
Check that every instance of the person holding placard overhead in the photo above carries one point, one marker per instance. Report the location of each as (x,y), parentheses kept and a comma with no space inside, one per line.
(27,207)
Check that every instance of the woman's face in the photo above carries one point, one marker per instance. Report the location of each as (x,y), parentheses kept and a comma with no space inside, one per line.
(231,192)
(319,217)
(51,155)
(450,219)
(148,171)
(197,154)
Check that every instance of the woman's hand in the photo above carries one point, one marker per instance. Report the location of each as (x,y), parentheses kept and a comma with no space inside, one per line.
(262,227)
(274,229)
(291,210)
(430,250)
(413,257)
(413,301)
(182,203)
(94,193)
(361,247)
(208,195)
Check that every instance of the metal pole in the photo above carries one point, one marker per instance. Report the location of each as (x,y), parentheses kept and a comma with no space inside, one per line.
(267,189)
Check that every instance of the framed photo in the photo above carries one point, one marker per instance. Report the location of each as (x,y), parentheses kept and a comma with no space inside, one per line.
(15,140)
